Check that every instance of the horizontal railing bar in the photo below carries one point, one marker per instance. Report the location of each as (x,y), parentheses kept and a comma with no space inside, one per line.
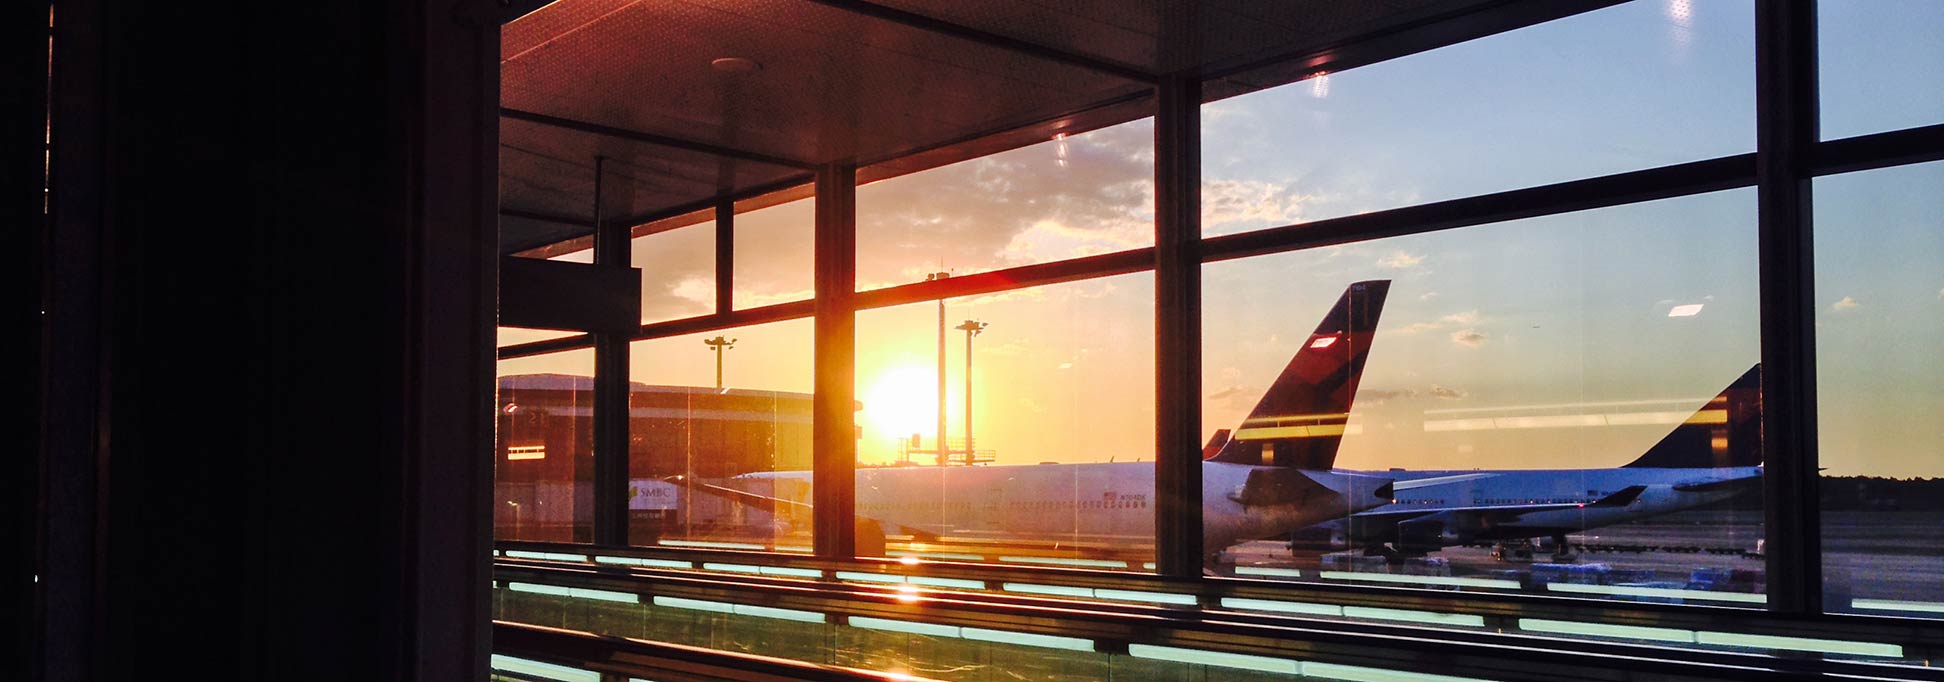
(1320,639)
(1920,635)
(636,657)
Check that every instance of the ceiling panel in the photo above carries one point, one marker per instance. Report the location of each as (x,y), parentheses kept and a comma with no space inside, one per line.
(879,82)
(833,85)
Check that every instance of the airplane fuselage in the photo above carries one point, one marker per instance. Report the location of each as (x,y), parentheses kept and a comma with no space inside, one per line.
(1435,509)
(1096,503)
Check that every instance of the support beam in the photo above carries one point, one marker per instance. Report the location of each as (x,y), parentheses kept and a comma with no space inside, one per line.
(1786,132)
(1177,328)
(834,422)
(725,256)
(651,138)
(610,385)
(1031,49)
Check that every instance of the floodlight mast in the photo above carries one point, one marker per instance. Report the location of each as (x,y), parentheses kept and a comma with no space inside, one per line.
(943,454)
(971,328)
(719,344)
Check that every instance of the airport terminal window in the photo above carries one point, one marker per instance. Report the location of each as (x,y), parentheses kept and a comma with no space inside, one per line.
(1071,196)
(722,465)
(1879,61)
(509,336)
(773,261)
(677,272)
(1562,404)
(1880,384)
(1623,88)
(543,464)
(1061,450)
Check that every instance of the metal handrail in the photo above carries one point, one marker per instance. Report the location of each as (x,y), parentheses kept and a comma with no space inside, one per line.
(1416,648)
(663,661)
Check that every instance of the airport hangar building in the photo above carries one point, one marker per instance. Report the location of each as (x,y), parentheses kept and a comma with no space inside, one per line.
(272,246)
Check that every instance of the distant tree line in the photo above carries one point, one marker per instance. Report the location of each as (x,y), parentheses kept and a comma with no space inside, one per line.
(1872,493)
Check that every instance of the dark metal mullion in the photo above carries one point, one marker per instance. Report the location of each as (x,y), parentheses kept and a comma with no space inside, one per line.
(1786,134)
(1177,327)
(833,423)
(1666,182)
(725,256)
(1880,150)
(610,387)
(565,243)
(1729,172)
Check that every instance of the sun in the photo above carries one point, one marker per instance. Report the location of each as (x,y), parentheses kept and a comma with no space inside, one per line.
(902,401)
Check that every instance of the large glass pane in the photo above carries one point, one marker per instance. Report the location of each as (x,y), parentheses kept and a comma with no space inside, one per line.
(719,439)
(1638,85)
(677,272)
(543,473)
(775,246)
(1880,382)
(1879,62)
(1052,464)
(1071,196)
(1561,404)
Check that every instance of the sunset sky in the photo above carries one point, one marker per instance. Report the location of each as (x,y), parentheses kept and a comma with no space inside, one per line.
(1568,314)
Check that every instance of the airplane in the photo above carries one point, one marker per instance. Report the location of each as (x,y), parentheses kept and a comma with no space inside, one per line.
(1298,424)
(1711,456)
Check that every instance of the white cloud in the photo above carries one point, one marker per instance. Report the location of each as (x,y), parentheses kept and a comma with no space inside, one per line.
(1847,303)
(1400,260)
(1426,296)
(1256,203)
(1940,294)
(1469,338)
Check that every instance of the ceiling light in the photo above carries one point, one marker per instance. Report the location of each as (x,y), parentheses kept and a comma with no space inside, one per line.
(735,65)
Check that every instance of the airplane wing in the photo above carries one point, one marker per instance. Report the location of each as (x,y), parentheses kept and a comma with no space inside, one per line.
(1284,486)
(759,501)
(1620,498)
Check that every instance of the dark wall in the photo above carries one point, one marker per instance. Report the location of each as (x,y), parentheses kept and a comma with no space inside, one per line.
(271,421)
(23,87)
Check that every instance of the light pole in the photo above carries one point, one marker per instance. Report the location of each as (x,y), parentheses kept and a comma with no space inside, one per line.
(942,453)
(971,329)
(719,344)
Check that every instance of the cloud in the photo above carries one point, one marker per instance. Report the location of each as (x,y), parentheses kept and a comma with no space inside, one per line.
(1846,304)
(1235,397)
(1426,296)
(1940,294)
(1469,338)
(1383,394)
(1447,393)
(1255,203)
(1400,260)
(1468,318)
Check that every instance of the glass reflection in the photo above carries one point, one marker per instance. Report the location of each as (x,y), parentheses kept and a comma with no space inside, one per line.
(1566,404)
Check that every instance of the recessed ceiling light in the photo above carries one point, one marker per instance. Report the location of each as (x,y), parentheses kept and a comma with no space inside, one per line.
(735,65)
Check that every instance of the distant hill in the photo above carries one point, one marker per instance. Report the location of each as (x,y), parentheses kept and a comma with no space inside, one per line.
(1870,493)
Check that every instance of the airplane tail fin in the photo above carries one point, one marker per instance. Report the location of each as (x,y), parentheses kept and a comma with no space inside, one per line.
(1726,432)
(1299,421)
